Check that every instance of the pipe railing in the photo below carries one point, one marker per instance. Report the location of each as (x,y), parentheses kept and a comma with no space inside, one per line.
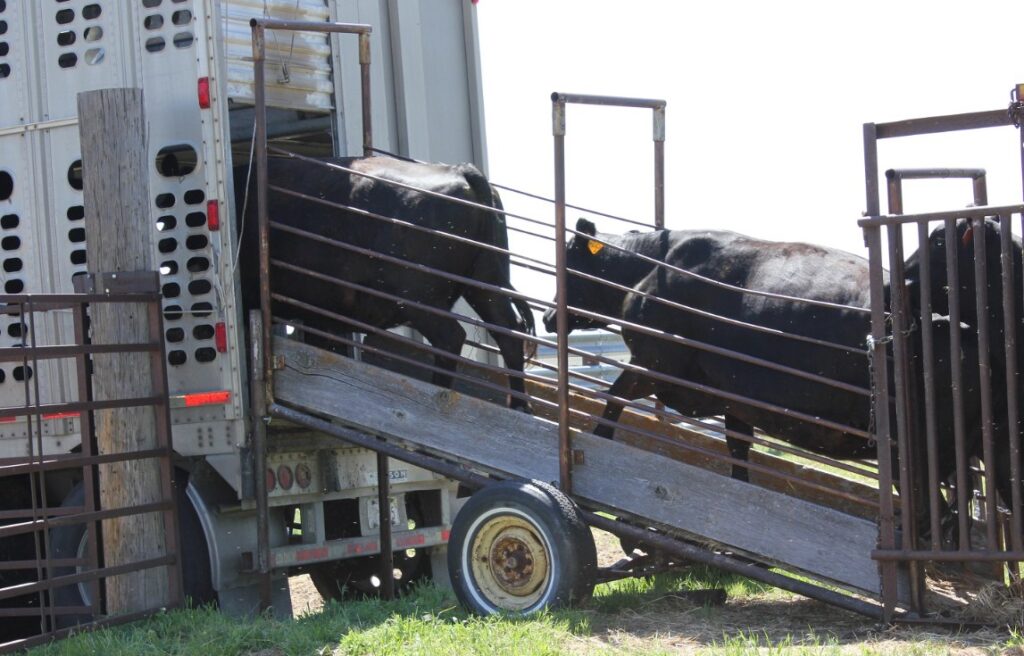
(972,327)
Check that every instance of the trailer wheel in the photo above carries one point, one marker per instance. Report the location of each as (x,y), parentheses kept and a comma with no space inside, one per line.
(520,547)
(71,542)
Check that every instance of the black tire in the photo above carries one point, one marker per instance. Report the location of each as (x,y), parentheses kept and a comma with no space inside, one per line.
(520,547)
(70,542)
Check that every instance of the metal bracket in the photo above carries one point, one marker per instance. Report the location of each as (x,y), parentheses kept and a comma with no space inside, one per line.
(119,282)
(577,457)
(279,362)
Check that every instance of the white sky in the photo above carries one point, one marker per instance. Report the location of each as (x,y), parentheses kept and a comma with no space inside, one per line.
(766,102)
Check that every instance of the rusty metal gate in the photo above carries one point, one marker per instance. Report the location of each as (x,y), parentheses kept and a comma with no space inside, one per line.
(946,357)
(51,560)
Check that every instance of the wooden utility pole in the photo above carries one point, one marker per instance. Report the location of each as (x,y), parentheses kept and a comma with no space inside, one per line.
(118,230)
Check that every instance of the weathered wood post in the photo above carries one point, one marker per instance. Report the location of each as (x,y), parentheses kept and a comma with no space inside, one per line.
(118,231)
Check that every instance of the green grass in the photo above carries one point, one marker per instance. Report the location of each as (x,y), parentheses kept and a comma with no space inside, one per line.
(430,622)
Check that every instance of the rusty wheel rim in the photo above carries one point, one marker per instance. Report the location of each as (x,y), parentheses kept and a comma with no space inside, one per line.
(511,562)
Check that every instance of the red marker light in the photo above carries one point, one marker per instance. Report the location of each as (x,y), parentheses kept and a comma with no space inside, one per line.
(284,477)
(220,337)
(204,93)
(213,215)
(206,398)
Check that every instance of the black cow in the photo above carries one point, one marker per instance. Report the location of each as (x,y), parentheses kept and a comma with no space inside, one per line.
(790,269)
(966,237)
(409,285)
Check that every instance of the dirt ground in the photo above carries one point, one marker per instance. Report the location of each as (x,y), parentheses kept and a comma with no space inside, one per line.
(677,625)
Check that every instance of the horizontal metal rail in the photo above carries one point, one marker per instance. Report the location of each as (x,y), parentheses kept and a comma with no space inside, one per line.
(14,303)
(607,101)
(83,577)
(401,185)
(938,124)
(79,406)
(412,226)
(310,26)
(57,462)
(18,353)
(528,194)
(718,350)
(965,213)
(717,317)
(455,374)
(45,524)
(717,283)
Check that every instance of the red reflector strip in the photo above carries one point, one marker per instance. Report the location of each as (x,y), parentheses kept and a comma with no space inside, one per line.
(206,398)
(204,93)
(53,415)
(220,337)
(62,415)
(213,215)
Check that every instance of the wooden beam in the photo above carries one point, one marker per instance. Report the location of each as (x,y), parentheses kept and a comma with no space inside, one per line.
(118,229)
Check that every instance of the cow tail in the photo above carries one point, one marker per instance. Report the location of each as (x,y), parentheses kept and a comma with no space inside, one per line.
(488,195)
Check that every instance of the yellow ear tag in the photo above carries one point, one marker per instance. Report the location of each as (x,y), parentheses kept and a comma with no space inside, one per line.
(594,247)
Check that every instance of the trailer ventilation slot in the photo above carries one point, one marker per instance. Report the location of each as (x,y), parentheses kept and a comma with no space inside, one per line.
(6,185)
(176,161)
(75,175)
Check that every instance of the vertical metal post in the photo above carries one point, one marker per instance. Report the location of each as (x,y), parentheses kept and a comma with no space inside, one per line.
(880,405)
(387,556)
(880,377)
(1010,351)
(364,74)
(561,303)
(659,167)
(162,412)
(928,361)
(985,376)
(260,109)
(959,427)
(259,451)
(88,445)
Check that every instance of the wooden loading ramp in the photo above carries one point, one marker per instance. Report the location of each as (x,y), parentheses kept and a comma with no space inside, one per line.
(776,528)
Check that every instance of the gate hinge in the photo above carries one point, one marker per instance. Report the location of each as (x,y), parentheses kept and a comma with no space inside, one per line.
(577,456)
(278,362)
(1016,109)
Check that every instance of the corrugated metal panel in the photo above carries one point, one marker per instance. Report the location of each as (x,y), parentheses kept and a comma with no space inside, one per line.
(298,64)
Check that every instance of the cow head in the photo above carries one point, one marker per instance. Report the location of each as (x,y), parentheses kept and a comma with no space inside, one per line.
(964,239)
(587,253)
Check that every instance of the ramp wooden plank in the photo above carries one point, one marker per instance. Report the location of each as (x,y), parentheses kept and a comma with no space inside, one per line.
(807,537)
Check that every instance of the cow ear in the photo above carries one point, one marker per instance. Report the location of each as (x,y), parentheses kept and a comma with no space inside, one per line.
(586,227)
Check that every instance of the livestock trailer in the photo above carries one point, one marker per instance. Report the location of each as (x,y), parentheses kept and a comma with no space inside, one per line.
(193,61)
(282,474)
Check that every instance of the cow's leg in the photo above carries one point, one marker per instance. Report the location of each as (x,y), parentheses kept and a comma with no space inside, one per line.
(498,311)
(629,385)
(442,333)
(738,448)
